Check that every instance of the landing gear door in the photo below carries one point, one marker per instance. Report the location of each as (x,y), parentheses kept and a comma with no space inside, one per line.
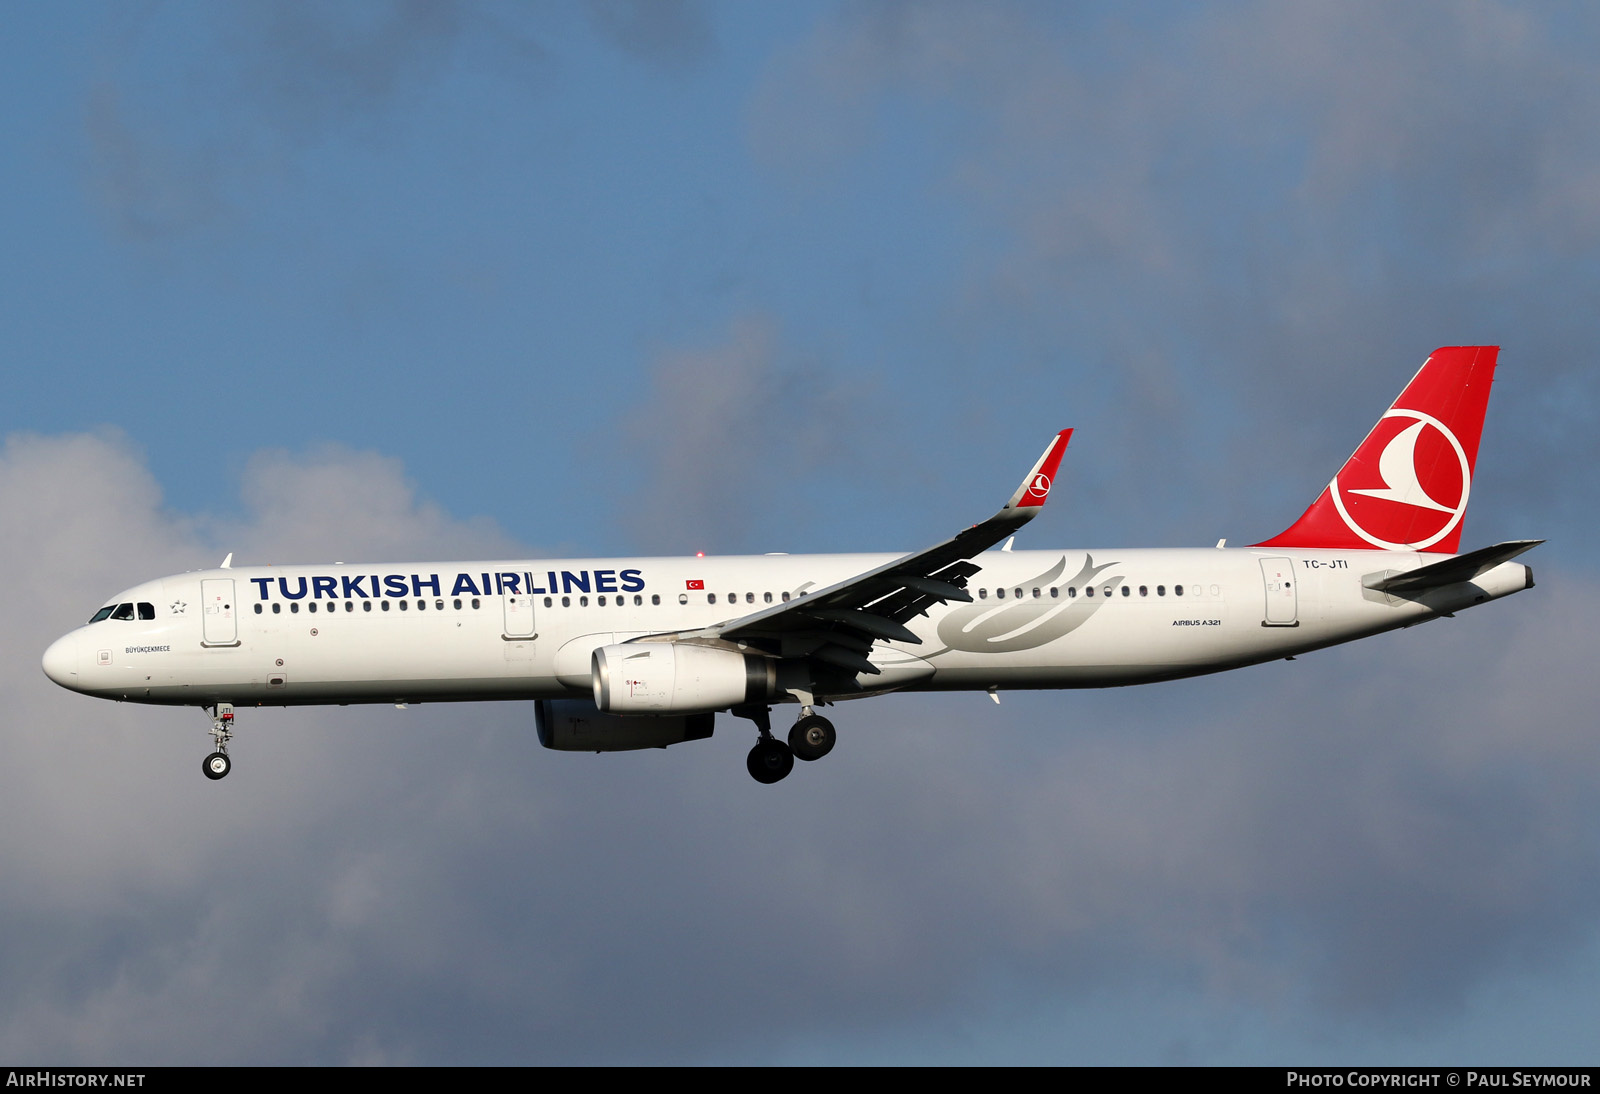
(1277,577)
(519,616)
(219,612)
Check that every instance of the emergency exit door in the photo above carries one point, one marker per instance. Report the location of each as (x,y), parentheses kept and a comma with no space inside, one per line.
(519,615)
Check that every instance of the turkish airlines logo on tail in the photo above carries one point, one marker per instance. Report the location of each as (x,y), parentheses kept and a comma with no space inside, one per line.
(1418,488)
(1040,486)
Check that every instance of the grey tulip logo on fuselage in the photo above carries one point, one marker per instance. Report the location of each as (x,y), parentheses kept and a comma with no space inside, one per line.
(1009,626)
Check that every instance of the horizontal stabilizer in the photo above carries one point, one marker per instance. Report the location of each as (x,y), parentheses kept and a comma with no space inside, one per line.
(1452,570)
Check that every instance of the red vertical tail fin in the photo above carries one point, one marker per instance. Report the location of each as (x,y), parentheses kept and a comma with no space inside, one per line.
(1406,486)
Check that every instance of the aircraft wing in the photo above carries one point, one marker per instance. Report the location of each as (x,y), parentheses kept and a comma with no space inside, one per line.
(837,625)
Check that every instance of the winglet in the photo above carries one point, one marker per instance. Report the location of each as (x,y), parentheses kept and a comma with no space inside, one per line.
(1036,486)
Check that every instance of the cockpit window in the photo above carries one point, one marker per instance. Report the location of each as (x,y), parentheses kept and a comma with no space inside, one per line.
(103,613)
(124,611)
(146,611)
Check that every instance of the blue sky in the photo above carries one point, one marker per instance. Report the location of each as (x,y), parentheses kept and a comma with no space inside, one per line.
(393,280)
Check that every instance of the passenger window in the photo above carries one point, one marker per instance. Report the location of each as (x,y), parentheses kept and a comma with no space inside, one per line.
(1177,590)
(583,602)
(600,600)
(749,598)
(547,602)
(258,611)
(439,605)
(123,611)
(456,603)
(1144,590)
(711,598)
(655,598)
(1107,590)
(683,598)
(366,605)
(1088,590)
(766,598)
(983,594)
(1161,590)
(1000,594)
(1072,592)
(405,605)
(1126,591)
(1036,594)
(276,608)
(566,602)
(475,603)
(1019,594)
(637,600)
(312,607)
(349,606)
(385,605)
(785,596)
(1054,592)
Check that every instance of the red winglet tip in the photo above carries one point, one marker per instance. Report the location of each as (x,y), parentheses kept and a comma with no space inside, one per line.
(1036,488)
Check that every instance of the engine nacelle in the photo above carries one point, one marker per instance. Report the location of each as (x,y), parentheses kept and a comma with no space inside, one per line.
(679,677)
(574,725)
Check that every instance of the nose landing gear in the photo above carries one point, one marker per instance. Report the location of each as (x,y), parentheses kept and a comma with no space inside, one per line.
(218,764)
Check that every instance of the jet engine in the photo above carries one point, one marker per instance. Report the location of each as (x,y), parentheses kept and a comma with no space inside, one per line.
(679,677)
(574,725)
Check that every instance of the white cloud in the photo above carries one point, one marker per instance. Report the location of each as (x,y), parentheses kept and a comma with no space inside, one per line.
(726,435)
(1266,207)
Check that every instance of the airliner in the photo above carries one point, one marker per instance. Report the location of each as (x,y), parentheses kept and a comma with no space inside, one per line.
(636,653)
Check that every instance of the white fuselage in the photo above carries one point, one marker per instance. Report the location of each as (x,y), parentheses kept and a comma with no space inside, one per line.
(282,635)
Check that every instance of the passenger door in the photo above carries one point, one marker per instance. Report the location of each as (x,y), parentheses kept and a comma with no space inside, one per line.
(219,613)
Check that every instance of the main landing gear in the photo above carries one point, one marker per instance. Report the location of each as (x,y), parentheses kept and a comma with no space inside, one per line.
(812,738)
(217,764)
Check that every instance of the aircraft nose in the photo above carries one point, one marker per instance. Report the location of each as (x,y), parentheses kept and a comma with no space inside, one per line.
(61,661)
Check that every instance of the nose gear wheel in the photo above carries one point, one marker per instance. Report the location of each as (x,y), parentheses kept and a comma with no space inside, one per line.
(218,764)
